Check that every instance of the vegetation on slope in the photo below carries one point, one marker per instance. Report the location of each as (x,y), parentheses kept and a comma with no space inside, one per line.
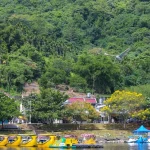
(54,42)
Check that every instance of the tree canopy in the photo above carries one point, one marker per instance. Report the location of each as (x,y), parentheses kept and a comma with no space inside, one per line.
(48,105)
(80,111)
(124,104)
(9,108)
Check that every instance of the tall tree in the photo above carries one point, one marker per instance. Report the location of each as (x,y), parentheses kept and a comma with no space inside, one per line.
(123,104)
(48,105)
(80,111)
(9,108)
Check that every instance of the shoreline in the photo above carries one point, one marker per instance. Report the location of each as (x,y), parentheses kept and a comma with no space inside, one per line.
(105,133)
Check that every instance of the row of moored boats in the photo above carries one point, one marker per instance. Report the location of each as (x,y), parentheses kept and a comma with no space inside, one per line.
(49,141)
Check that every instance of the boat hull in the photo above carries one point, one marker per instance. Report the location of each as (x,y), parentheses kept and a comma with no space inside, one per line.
(15,143)
(44,144)
(139,140)
(62,146)
(4,141)
(28,145)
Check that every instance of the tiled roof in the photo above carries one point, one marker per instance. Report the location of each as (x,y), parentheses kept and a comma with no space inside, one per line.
(89,100)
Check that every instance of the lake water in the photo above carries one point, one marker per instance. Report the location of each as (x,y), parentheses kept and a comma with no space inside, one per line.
(107,146)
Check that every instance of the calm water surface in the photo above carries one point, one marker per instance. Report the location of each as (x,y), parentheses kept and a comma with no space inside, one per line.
(108,146)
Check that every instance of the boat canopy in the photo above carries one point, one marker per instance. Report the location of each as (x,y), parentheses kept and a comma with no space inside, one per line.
(43,137)
(88,135)
(70,136)
(141,130)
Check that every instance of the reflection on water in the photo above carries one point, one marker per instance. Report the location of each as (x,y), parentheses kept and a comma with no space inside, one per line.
(107,146)
(18,148)
(140,146)
(127,146)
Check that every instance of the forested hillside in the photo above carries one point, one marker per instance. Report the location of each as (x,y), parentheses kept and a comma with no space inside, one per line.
(66,41)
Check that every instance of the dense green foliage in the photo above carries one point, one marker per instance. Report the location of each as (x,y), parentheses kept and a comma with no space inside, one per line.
(52,42)
(144,89)
(8,108)
(47,106)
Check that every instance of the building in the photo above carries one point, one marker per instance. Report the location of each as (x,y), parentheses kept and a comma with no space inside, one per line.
(104,118)
(90,100)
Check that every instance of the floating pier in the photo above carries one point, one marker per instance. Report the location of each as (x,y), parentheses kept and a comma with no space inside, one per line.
(88,145)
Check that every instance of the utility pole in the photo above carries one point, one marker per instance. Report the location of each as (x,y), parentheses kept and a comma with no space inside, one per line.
(30,112)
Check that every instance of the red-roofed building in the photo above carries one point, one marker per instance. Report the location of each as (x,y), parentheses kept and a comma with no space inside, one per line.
(80,99)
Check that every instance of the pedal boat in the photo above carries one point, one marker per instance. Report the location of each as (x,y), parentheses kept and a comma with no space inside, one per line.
(132,139)
(62,143)
(45,140)
(71,138)
(88,141)
(28,140)
(137,139)
(14,140)
(88,138)
(3,140)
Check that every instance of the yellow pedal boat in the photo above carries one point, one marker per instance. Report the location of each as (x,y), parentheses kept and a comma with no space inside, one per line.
(70,138)
(28,140)
(3,140)
(45,140)
(14,140)
(88,139)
